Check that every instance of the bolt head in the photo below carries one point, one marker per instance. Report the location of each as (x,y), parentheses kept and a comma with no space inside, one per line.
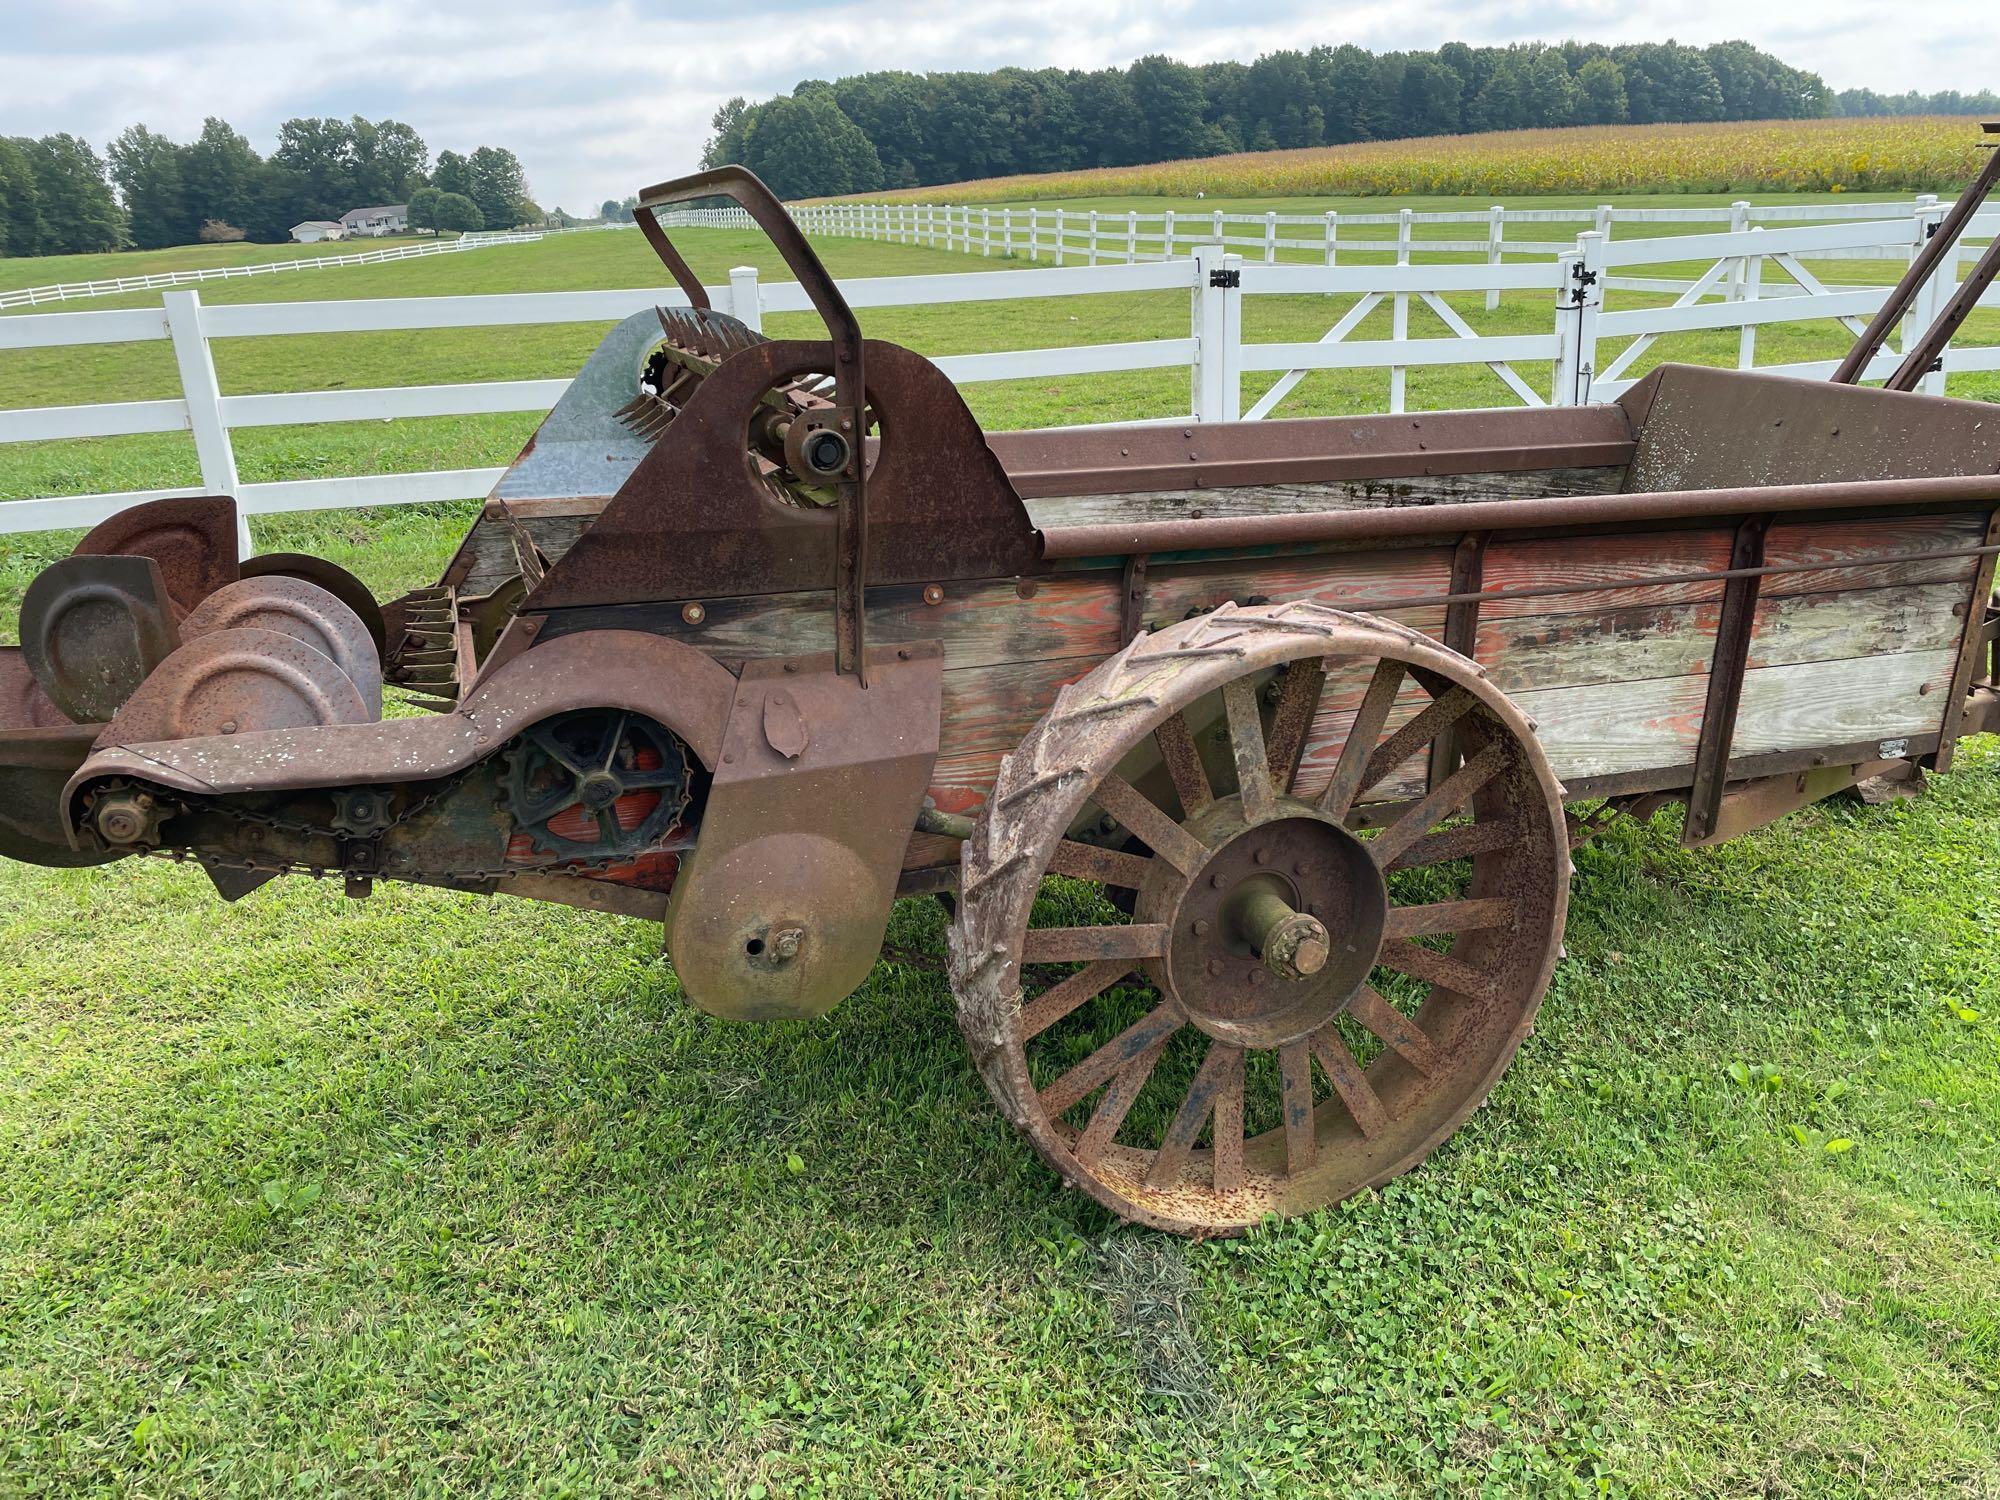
(693,614)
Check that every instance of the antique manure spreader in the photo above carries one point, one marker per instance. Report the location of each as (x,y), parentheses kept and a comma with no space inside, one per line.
(757,636)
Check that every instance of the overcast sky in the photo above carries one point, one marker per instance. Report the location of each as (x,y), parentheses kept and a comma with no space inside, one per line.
(601,97)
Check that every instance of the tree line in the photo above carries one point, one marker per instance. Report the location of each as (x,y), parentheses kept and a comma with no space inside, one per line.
(899,129)
(59,197)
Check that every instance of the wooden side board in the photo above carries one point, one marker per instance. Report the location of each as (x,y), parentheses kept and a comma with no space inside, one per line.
(1606,641)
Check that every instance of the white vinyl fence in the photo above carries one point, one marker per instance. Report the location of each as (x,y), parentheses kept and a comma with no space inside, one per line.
(1563,365)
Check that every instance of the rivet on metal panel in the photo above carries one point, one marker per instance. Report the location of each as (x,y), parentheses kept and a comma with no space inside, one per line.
(693,614)
(933,594)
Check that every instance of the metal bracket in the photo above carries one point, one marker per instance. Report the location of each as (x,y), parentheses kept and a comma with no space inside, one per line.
(1132,600)
(1225,280)
(1461,634)
(1725,680)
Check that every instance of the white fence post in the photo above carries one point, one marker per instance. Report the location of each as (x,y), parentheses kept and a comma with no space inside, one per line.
(1399,318)
(1167,236)
(1059,236)
(1333,237)
(746,305)
(1753,281)
(1271,238)
(1218,335)
(1739,223)
(1496,236)
(204,403)
(1579,297)
(1093,237)
(1936,293)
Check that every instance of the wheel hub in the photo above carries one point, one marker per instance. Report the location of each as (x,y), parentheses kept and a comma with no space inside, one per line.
(1275,931)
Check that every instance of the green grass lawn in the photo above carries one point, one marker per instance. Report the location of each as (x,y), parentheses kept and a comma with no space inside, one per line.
(439,1195)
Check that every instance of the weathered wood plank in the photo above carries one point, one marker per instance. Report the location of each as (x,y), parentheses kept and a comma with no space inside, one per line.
(1607,572)
(1302,499)
(1569,650)
(1875,551)
(979,624)
(1377,582)
(1833,702)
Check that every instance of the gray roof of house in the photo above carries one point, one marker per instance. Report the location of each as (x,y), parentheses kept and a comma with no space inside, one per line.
(317,224)
(380,210)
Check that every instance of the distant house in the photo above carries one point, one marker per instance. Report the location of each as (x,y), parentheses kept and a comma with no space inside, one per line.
(312,231)
(385,218)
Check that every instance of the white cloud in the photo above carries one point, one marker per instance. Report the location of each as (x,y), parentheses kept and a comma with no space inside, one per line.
(599,97)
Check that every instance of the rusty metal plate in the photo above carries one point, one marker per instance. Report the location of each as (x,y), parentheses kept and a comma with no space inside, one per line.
(92,628)
(694,521)
(193,540)
(332,577)
(34,765)
(780,911)
(23,704)
(231,682)
(294,607)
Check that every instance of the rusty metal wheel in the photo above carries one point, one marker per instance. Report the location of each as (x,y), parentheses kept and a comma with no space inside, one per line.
(1290,1005)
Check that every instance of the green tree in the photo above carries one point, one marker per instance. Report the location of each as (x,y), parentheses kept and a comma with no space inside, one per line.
(424,207)
(451,174)
(456,213)
(1174,107)
(319,156)
(146,167)
(219,173)
(804,146)
(1551,92)
(20,202)
(1600,93)
(496,183)
(727,127)
(79,216)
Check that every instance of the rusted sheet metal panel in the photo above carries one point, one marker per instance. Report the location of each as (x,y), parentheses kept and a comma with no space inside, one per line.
(1715,430)
(192,539)
(1081,462)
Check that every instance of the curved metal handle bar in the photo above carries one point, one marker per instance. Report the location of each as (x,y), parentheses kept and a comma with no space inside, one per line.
(843,330)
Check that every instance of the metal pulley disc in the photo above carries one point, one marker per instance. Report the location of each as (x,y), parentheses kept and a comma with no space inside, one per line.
(237,682)
(92,628)
(192,539)
(295,607)
(332,577)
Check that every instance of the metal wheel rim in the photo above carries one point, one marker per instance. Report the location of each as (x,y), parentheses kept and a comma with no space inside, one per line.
(1378,1118)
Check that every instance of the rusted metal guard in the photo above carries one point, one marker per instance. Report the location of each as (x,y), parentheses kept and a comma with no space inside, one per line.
(1725,679)
(849,374)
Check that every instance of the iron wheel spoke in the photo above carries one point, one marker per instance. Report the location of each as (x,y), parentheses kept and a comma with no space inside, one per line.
(1456,843)
(607,825)
(1075,945)
(1228,1131)
(1171,1159)
(1344,1073)
(1116,1102)
(1155,1026)
(1292,721)
(1434,807)
(1338,798)
(1396,1031)
(1437,716)
(1154,828)
(1106,866)
(1296,1097)
(1246,746)
(1406,957)
(1059,1000)
(1183,762)
(1449,916)
(560,800)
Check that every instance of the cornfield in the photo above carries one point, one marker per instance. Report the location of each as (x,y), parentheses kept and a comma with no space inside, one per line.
(1801,156)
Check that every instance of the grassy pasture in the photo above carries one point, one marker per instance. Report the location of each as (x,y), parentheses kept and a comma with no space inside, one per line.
(49,270)
(438,1195)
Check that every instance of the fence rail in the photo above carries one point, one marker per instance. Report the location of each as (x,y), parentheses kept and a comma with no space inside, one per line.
(1576,359)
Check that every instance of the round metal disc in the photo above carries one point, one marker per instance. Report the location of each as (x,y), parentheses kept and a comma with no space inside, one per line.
(294,607)
(332,577)
(237,682)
